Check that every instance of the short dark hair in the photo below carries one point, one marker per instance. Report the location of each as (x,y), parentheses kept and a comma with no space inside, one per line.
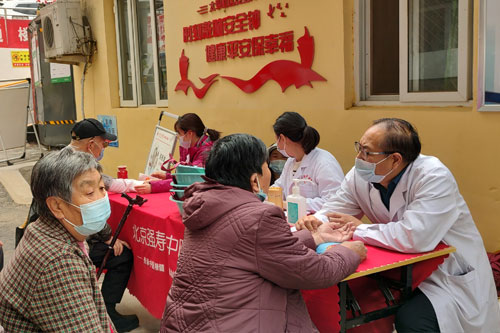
(234,158)
(192,122)
(401,137)
(53,175)
(294,126)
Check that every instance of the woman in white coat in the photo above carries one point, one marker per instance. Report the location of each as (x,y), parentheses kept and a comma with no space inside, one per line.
(298,142)
(424,207)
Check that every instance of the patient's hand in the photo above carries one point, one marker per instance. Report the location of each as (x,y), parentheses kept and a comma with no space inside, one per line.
(325,233)
(159,174)
(144,188)
(309,222)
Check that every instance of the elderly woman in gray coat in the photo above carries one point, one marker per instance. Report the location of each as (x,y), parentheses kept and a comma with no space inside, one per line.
(241,268)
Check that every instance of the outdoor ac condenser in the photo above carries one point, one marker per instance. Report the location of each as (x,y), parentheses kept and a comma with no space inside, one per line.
(62,29)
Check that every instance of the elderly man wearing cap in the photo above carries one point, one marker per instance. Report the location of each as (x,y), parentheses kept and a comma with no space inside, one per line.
(90,136)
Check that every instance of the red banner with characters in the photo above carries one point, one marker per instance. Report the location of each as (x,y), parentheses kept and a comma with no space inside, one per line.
(14,34)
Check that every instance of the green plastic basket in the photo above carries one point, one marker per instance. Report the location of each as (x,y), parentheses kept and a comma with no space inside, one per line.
(179,204)
(189,169)
(179,193)
(188,178)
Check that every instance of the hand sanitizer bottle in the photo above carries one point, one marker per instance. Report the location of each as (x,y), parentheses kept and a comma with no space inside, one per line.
(296,204)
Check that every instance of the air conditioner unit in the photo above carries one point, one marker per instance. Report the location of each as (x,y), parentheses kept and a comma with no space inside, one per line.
(62,27)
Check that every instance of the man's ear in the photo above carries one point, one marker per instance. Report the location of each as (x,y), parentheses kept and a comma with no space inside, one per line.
(253,183)
(398,159)
(54,204)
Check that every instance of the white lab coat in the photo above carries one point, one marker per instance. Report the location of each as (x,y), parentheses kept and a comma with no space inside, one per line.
(425,209)
(322,169)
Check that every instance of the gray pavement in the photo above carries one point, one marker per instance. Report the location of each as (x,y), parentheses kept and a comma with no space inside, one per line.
(15,197)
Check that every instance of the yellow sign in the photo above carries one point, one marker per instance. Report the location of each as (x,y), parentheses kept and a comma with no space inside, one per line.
(20,58)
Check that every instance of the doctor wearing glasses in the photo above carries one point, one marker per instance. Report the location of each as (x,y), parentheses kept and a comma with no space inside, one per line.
(413,203)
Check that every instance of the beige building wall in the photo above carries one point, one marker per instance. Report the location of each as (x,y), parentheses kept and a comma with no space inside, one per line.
(463,138)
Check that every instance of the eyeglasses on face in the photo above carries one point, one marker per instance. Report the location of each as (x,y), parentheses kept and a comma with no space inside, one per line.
(358,148)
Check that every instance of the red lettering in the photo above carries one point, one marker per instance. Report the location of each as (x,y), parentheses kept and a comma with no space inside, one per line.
(271,43)
(232,49)
(245,48)
(254,19)
(258,46)
(229,25)
(220,52)
(240,23)
(210,51)
(286,41)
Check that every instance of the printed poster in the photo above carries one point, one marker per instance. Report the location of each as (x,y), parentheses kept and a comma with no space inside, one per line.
(163,146)
(110,125)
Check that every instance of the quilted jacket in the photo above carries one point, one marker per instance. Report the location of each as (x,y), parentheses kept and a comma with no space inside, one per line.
(240,267)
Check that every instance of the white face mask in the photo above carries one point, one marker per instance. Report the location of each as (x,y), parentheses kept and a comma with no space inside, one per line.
(366,170)
(282,152)
(184,143)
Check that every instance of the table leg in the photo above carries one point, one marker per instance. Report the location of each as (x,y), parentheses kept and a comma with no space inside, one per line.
(343,305)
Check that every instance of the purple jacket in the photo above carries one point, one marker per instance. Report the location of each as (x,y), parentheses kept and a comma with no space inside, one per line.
(240,267)
(196,155)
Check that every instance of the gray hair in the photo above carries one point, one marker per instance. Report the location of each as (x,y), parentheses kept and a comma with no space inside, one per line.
(54,174)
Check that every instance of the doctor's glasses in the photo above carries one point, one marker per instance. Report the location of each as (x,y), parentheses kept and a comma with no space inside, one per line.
(358,148)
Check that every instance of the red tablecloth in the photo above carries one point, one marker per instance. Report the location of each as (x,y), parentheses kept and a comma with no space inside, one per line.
(323,304)
(155,232)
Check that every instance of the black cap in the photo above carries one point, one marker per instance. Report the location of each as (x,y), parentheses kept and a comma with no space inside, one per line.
(88,128)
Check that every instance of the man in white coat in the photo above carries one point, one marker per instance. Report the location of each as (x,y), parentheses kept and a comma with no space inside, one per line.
(414,203)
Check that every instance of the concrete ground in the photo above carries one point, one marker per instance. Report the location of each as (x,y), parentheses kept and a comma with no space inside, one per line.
(15,198)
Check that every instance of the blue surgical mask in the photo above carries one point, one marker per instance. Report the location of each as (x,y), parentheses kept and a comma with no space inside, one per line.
(261,195)
(277,166)
(94,216)
(366,170)
(184,143)
(101,155)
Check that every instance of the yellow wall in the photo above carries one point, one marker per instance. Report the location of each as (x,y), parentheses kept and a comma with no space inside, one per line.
(461,137)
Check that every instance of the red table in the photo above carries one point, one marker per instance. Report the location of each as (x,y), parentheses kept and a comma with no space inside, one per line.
(327,306)
(155,232)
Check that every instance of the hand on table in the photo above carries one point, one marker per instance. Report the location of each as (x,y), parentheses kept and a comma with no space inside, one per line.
(159,174)
(341,219)
(144,188)
(326,233)
(309,222)
(118,247)
(358,247)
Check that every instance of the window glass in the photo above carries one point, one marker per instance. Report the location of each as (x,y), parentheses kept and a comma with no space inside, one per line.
(384,47)
(432,45)
(146,60)
(160,36)
(126,62)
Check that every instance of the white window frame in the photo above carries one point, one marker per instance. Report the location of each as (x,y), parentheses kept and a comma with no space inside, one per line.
(481,62)
(363,59)
(123,102)
(134,59)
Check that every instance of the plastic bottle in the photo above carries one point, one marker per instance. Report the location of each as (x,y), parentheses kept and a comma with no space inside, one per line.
(296,204)
(122,172)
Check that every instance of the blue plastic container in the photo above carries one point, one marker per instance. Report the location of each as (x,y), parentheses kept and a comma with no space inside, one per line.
(179,193)
(179,204)
(189,169)
(188,178)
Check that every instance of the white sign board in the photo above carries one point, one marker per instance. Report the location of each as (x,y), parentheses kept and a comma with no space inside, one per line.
(163,146)
(13,115)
